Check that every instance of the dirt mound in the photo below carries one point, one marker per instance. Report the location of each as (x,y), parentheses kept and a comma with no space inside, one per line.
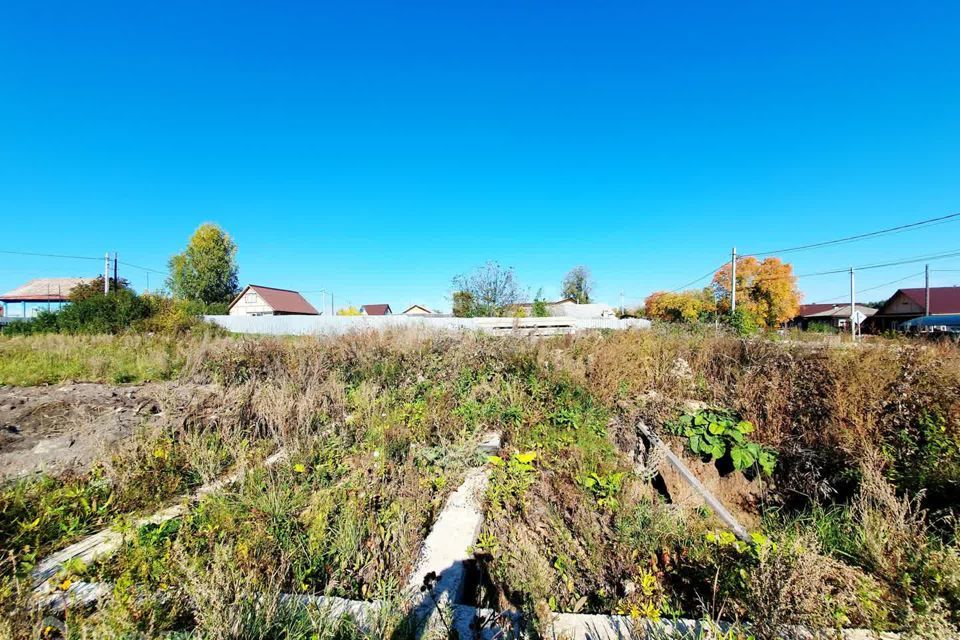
(59,428)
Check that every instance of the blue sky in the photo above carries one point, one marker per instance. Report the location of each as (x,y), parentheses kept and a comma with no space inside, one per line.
(379,149)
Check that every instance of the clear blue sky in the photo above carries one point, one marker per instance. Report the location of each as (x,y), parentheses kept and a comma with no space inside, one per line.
(379,149)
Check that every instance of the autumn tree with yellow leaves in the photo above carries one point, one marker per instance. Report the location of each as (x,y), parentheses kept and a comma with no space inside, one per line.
(766,289)
(767,296)
(682,306)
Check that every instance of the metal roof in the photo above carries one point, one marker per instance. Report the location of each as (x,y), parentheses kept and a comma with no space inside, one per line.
(281,300)
(376,309)
(942,299)
(44,290)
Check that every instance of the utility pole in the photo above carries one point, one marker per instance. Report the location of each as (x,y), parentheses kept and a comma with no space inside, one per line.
(106,273)
(733,281)
(926,290)
(116,277)
(331,304)
(853,307)
(621,303)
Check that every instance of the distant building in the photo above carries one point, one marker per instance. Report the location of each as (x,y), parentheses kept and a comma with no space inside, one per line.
(568,308)
(376,310)
(907,304)
(417,310)
(835,315)
(44,291)
(257,300)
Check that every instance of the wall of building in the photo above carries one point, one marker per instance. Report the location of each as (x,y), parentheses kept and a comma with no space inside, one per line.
(251,305)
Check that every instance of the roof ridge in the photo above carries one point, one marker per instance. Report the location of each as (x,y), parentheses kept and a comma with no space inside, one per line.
(263,286)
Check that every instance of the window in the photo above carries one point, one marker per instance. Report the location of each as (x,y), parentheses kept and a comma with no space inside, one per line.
(251,298)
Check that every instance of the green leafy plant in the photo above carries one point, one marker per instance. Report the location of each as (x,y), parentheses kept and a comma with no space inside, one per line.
(511,478)
(717,434)
(604,488)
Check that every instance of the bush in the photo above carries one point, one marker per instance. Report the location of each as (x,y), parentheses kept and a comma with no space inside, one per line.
(173,316)
(821,327)
(742,322)
(119,311)
(111,313)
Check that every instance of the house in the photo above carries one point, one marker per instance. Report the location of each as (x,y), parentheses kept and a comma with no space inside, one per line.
(41,291)
(834,315)
(376,310)
(907,304)
(257,300)
(417,310)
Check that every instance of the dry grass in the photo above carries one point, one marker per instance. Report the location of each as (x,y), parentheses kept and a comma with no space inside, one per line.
(380,427)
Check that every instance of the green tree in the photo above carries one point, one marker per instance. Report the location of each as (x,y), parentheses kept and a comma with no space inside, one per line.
(463,304)
(577,285)
(539,309)
(207,269)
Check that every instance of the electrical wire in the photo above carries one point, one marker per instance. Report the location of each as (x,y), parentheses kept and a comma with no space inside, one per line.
(862,236)
(703,277)
(136,266)
(882,265)
(874,288)
(49,255)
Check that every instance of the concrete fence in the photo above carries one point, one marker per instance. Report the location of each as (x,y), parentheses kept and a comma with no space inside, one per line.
(337,325)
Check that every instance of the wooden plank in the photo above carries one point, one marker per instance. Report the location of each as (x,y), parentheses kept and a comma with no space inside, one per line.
(732,523)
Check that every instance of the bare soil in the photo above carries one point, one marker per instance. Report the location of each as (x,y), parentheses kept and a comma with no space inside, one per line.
(65,427)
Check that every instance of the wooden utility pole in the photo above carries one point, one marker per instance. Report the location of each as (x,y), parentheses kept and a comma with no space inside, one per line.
(733,281)
(116,277)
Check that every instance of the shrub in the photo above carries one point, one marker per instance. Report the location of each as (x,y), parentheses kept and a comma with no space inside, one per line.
(719,434)
(173,316)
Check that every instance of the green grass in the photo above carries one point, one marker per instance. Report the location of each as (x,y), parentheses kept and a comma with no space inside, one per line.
(53,358)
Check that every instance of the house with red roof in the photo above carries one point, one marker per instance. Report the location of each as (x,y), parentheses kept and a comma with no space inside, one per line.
(257,300)
(376,310)
(907,304)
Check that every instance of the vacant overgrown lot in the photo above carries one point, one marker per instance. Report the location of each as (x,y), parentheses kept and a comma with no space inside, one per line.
(851,505)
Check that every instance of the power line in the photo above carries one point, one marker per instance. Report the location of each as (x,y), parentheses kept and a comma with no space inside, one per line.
(703,277)
(135,266)
(846,296)
(882,265)
(862,236)
(51,255)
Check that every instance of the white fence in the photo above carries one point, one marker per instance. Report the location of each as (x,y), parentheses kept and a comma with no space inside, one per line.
(337,325)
